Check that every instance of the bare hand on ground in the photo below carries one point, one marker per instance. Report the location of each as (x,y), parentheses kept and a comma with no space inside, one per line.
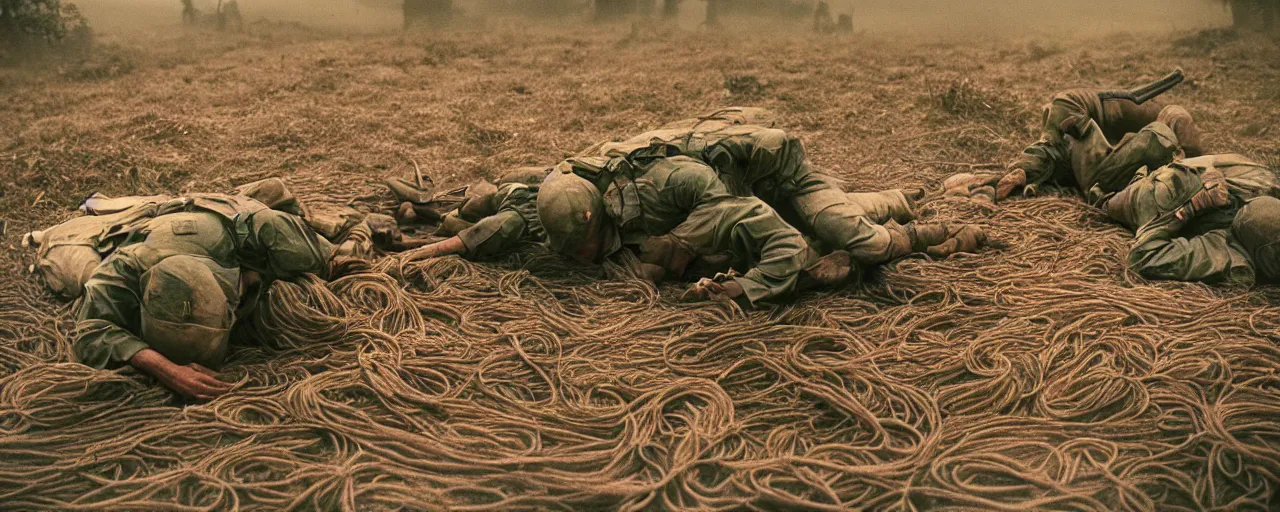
(709,289)
(194,381)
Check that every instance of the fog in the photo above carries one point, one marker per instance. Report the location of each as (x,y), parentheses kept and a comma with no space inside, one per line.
(916,17)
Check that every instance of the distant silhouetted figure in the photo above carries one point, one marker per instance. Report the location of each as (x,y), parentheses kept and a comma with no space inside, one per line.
(670,8)
(612,10)
(229,16)
(845,24)
(435,12)
(713,13)
(822,22)
(189,13)
(225,17)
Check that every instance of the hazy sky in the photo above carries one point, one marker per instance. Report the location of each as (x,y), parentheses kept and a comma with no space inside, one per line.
(881,16)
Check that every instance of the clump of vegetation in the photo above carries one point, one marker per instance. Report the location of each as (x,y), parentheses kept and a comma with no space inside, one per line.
(32,27)
(745,86)
(487,140)
(1205,41)
(1038,52)
(96,67)
(965,99)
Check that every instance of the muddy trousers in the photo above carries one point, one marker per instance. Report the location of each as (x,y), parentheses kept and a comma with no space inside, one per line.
(842,220)
(1101,168)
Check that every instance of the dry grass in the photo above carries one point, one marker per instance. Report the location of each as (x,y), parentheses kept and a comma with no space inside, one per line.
(1041,374)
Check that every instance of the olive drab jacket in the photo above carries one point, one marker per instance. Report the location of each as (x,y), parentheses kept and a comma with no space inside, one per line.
(684,198)
(1203,248)
(740,143)
(1113,138)
(753,158)
(63,248)
(237,234)
(66,250)
(501,221)
(1165,189)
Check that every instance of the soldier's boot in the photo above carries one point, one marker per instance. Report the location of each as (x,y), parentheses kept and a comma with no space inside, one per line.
(913,195)
(1011,181)
(979,187)
(936,240)
(985,194)
(405,214)
(385,234)
(411,213)
(406,191)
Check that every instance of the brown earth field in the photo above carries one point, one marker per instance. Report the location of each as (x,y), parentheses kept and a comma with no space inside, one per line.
(1039,374)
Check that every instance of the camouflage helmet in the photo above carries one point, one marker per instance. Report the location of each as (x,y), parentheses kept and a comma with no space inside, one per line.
(1257,227)
(567,207)
(186,314)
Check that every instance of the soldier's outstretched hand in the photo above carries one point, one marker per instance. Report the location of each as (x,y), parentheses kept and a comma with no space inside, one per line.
(984,187)
(189,380)
(716,289)
(194,381)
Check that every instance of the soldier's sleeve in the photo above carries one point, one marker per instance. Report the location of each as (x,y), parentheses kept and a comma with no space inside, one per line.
(1046,160)
(515,223)
(1040,161)
(749,229)
(110,314)
(493,235)
(1160,253)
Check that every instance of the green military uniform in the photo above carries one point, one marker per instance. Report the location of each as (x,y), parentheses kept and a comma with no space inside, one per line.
(1161,251)
(750,155)
(682,198)
(500,221)
(69,252)
(1208,247)
(1114,138)
(753,158)
(224,237)
(1152,194)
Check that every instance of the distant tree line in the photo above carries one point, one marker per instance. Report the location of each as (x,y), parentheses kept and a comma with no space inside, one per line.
(32,26)
(437,12)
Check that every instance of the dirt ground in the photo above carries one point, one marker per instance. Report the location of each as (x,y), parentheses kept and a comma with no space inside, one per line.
(1039,375)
